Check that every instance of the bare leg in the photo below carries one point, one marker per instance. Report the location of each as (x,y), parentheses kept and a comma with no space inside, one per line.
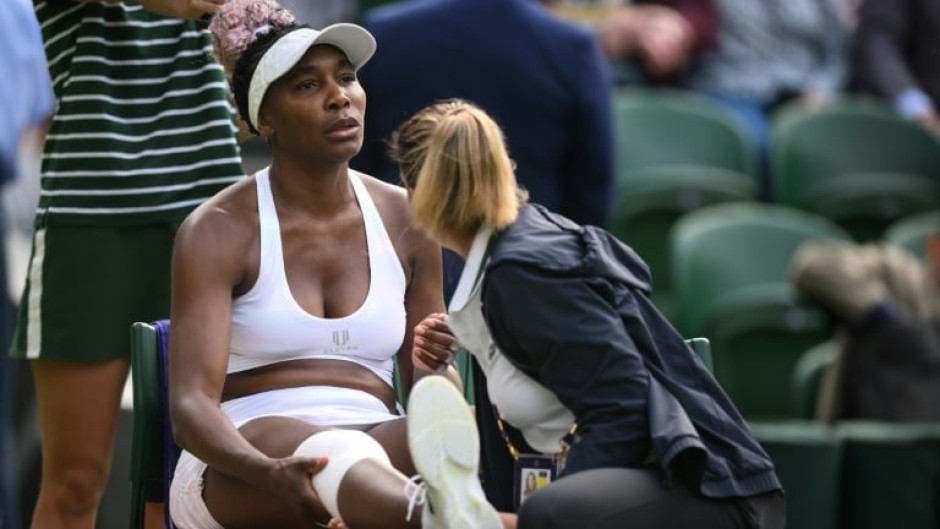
(370,495)
(153,516)
(78,409)
(391,435)
(374,492)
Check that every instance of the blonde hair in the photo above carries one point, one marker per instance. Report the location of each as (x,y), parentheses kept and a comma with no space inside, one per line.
(453,156)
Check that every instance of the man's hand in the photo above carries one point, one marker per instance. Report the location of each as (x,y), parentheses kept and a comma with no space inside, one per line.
(665,40)
(660,36)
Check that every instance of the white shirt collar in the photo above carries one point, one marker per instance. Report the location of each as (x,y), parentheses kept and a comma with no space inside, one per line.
(476,260)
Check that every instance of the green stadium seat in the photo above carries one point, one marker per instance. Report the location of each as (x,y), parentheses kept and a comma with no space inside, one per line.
(676,152)
(856,164)
(663,127)
(730,275)
(808,460)
(891,475)
(651,200)
(808,375)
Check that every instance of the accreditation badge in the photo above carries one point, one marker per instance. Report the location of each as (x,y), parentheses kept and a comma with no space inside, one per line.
(532,472)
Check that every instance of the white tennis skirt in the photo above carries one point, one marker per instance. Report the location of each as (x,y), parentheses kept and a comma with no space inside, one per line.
(318,405)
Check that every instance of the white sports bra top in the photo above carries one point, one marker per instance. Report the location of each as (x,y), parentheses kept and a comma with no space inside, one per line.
(269,326)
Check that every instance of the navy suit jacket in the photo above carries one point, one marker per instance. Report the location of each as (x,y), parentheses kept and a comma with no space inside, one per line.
(543,79)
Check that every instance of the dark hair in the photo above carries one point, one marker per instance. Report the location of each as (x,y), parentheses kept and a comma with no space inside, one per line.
(246,65)
(241,32)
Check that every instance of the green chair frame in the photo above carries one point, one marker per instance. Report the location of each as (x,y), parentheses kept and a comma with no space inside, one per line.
(808,376)
(148,462)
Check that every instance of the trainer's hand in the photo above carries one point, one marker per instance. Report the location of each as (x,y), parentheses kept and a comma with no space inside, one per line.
(188,9)
(434,344)
(290,479)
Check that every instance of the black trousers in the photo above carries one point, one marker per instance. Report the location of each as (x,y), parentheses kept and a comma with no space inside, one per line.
(621,498)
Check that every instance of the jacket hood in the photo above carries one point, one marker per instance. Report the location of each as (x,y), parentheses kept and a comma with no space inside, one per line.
(551,242)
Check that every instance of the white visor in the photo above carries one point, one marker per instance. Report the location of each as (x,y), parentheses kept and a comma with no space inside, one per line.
(354,41)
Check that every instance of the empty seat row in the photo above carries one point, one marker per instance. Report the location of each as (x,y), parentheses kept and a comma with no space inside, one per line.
(729,271)
(856,475)
(852,162)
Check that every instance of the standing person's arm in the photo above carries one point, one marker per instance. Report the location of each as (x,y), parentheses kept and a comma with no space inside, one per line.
(880,64)
(188,9)
(589,165)
(209,258)
(578,347)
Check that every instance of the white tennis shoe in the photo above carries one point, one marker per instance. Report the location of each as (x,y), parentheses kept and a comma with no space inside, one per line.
(445,448)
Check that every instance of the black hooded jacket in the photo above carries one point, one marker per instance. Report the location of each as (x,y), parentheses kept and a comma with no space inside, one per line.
(569,306)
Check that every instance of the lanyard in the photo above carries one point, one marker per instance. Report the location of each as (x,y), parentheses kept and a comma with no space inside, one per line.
(513,450)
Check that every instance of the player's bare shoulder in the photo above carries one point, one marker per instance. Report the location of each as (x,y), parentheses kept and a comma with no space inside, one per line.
(391,201)
(229,218)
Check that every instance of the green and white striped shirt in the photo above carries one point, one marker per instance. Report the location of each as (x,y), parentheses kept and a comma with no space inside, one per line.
(143,130)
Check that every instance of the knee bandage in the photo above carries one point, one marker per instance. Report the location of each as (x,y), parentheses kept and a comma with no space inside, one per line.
(344,448)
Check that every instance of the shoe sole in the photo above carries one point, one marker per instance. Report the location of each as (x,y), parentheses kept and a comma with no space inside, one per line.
(445,449)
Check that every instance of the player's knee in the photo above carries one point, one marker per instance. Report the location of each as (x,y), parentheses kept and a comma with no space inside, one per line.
(76,488)
(344,448)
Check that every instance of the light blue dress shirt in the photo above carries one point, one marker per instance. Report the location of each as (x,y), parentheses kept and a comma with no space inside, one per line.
(26,97)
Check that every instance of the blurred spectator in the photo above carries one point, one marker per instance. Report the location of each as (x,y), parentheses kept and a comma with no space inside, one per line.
(322,13)
(27,103)
(887,304)
(543,79)
(772,52)
(647,41)
(142,133)
(897,56)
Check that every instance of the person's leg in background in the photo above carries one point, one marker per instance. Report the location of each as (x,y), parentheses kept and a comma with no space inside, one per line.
(78,428)
(85,287)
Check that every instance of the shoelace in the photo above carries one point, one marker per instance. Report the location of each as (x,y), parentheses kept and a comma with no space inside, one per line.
(417,494)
